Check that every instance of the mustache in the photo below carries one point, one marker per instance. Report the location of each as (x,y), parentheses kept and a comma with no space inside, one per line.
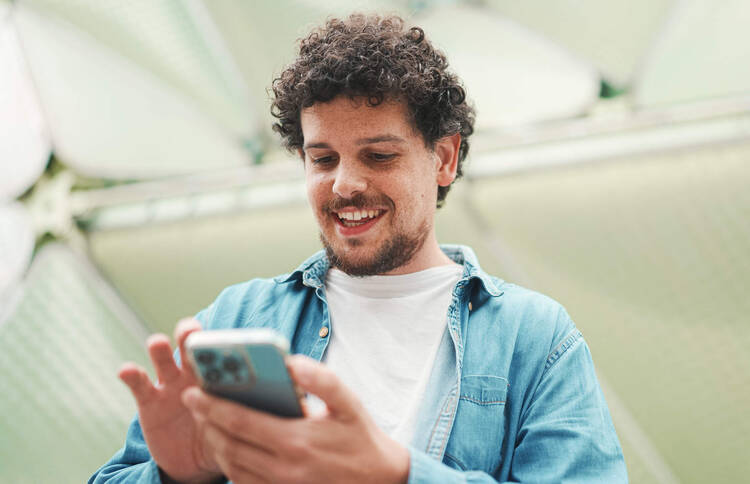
(359,200)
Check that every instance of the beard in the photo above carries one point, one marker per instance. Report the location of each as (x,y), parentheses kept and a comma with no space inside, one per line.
(392,254)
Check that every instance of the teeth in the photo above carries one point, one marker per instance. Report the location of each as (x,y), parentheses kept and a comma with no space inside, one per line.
(357,216)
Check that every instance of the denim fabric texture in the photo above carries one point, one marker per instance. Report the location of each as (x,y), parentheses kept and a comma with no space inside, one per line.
(512,397)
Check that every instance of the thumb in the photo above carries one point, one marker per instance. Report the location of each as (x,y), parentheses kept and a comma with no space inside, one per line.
(316,378)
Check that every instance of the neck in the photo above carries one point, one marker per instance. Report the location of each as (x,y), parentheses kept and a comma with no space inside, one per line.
(428,256)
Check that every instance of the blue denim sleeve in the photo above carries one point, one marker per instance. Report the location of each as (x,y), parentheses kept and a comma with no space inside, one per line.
(566,432)
(132,463)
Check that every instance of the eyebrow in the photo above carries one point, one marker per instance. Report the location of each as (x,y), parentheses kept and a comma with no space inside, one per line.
(362,141)
(381,139)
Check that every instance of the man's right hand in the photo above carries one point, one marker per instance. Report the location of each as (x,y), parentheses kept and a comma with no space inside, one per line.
(173,437)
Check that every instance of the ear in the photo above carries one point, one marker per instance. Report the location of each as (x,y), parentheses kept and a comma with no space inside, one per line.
(446,150)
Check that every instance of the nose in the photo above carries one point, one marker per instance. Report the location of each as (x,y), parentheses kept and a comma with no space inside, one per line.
(349,180)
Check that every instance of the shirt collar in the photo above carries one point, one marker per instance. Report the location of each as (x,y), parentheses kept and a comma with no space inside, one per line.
(464,255)
(312,271)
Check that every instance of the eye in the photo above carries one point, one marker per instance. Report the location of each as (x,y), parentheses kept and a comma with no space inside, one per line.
(323,160)
(382,156)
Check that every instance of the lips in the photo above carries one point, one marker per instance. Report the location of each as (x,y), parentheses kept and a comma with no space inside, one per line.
(356,222)
(357,217)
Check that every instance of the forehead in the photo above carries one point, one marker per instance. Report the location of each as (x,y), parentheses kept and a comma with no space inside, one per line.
(346,117)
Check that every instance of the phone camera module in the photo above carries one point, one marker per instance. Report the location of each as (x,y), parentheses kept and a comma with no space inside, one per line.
(213,375)
(205,358)
(231,364)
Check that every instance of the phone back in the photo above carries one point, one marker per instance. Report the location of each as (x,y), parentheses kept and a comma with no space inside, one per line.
(252,374)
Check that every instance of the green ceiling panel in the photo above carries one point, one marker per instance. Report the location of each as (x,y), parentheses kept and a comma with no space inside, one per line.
(63,410)
(651,256)
(169,271)
(170,38)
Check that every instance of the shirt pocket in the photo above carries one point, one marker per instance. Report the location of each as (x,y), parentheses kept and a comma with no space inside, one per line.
(476,440)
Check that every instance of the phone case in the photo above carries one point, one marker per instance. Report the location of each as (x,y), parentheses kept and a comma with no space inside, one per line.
(246,366)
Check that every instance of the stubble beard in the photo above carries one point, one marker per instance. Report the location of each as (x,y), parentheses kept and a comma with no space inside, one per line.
(394,253)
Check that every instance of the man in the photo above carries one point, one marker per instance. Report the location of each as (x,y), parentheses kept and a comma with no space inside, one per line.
(434,371)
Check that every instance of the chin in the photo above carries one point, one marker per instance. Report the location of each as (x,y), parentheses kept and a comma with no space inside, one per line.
(355,258)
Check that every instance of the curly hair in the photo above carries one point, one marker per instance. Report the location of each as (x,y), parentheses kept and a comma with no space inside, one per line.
(375,58)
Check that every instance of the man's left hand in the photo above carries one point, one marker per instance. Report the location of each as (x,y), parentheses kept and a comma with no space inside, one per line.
(342,444)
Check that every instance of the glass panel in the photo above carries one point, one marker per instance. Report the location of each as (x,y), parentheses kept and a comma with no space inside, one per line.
(615,36)
(651,257)
(111,117)
(168,39)
(513,75)
(16,247)
(701,53)
(24,140)
(199,257)
(63,411)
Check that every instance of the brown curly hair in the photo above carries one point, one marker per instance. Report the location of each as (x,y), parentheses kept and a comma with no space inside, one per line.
(374,57)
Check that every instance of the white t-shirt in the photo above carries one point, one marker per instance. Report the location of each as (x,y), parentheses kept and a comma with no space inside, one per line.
(385,331)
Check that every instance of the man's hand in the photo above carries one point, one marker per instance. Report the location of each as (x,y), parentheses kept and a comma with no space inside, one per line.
(174,439)
(341,445)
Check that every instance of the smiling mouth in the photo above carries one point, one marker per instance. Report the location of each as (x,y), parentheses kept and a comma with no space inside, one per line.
(358,217)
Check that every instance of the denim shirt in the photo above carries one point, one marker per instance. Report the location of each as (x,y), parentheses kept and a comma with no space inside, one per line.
(512,396)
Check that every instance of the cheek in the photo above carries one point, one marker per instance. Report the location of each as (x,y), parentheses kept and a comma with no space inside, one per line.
(316,191)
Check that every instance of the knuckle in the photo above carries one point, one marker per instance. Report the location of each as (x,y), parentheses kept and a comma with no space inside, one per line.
(236,422)
(296,447)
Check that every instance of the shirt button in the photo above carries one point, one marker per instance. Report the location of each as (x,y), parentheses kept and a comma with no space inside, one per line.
(470,306)
(323,332)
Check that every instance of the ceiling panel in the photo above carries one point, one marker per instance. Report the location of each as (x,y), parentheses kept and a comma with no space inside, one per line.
(702,53)
(175,41)
(514,76)
(63,411)
(16,248)
(24,140)
(110,117)
(615,36)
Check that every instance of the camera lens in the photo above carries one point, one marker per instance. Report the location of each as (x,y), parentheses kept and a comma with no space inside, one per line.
(213,375)
(205,357)
(231,364)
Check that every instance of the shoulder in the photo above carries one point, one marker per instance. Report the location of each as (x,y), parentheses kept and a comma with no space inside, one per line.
(522,308)
(531,326)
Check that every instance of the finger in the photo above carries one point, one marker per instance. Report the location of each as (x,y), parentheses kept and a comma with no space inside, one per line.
(261,429)
(318,379)
(139,383)
(182,331)
(236,454)
(237,474)
(161,356)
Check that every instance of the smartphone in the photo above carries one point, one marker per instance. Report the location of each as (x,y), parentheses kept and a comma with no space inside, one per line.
(246,366)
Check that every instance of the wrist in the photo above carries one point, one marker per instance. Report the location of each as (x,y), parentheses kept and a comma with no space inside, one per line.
(401,459)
